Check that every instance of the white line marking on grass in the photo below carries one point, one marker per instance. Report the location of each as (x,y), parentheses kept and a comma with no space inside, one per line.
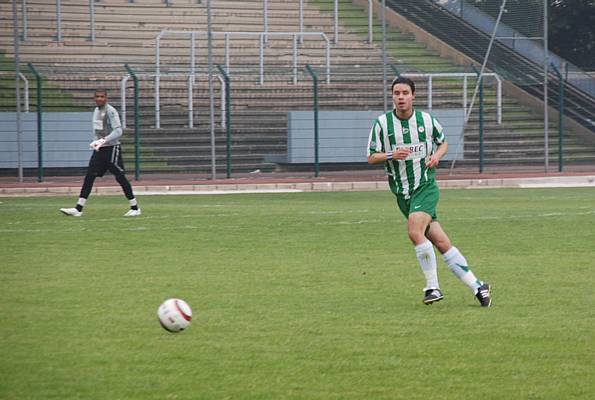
(197,192)
(149,218)
(80,229)
(543,215)
(335,212)
(92,227)
(487,218)
(361,222)
(144,217)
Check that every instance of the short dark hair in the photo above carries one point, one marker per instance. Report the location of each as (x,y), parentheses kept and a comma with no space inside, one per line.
(100,90)
(406,81)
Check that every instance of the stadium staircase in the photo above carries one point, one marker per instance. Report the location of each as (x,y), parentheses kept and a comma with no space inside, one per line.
(512,67)
(125,33)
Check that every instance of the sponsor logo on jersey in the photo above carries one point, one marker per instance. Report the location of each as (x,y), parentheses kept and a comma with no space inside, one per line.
(417,150)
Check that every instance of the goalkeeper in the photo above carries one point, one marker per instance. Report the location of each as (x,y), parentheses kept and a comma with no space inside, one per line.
(107,156)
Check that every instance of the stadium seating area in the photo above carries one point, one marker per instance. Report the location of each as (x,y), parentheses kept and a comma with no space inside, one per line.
(125,33)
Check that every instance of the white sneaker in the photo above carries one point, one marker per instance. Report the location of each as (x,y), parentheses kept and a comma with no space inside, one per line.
(133,213)
(73,212)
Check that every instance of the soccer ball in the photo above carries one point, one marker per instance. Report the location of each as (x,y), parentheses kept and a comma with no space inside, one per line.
(174,315)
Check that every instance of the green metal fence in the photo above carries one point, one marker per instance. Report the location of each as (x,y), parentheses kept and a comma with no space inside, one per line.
(252,119)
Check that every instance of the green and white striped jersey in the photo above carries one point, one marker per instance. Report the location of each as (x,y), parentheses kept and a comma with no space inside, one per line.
(419,133)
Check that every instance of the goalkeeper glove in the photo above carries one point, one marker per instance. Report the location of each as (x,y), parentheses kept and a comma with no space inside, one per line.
(95,145)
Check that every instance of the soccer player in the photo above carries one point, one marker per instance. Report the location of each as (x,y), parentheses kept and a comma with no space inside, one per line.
(107,156)
(410,143)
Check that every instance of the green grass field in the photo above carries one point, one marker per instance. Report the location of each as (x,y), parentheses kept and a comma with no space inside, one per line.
(296,296)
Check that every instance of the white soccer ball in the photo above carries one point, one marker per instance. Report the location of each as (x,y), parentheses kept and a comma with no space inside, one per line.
(174,315)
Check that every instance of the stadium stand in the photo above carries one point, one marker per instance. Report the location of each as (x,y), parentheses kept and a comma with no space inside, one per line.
(125,34)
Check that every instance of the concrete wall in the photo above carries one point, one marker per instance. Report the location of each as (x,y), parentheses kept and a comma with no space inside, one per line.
(66,138)
(343,135)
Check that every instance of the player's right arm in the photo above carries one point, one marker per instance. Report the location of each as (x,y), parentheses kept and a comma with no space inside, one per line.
(376,152)
(378,158)
(97,125)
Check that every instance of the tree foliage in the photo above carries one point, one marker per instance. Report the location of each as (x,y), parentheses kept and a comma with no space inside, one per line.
(571,25)
(572,31)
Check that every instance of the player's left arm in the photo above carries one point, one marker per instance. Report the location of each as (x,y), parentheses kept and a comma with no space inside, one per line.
(435,158)
(441,145)
(115,123)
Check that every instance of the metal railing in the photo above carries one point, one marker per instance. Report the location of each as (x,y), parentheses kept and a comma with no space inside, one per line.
(465,76)
(262,40)
(59,37)
(25,20)
(26,87)
(191,78)
(335,19)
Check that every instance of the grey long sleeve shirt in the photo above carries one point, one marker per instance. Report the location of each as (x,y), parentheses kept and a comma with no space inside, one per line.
(107,125)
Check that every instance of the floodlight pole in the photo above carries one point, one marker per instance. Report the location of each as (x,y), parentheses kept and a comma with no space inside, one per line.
(383,18)
(58,21)
(545,76)
(92,20)
(25,20)
(336,15)
(301,19)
